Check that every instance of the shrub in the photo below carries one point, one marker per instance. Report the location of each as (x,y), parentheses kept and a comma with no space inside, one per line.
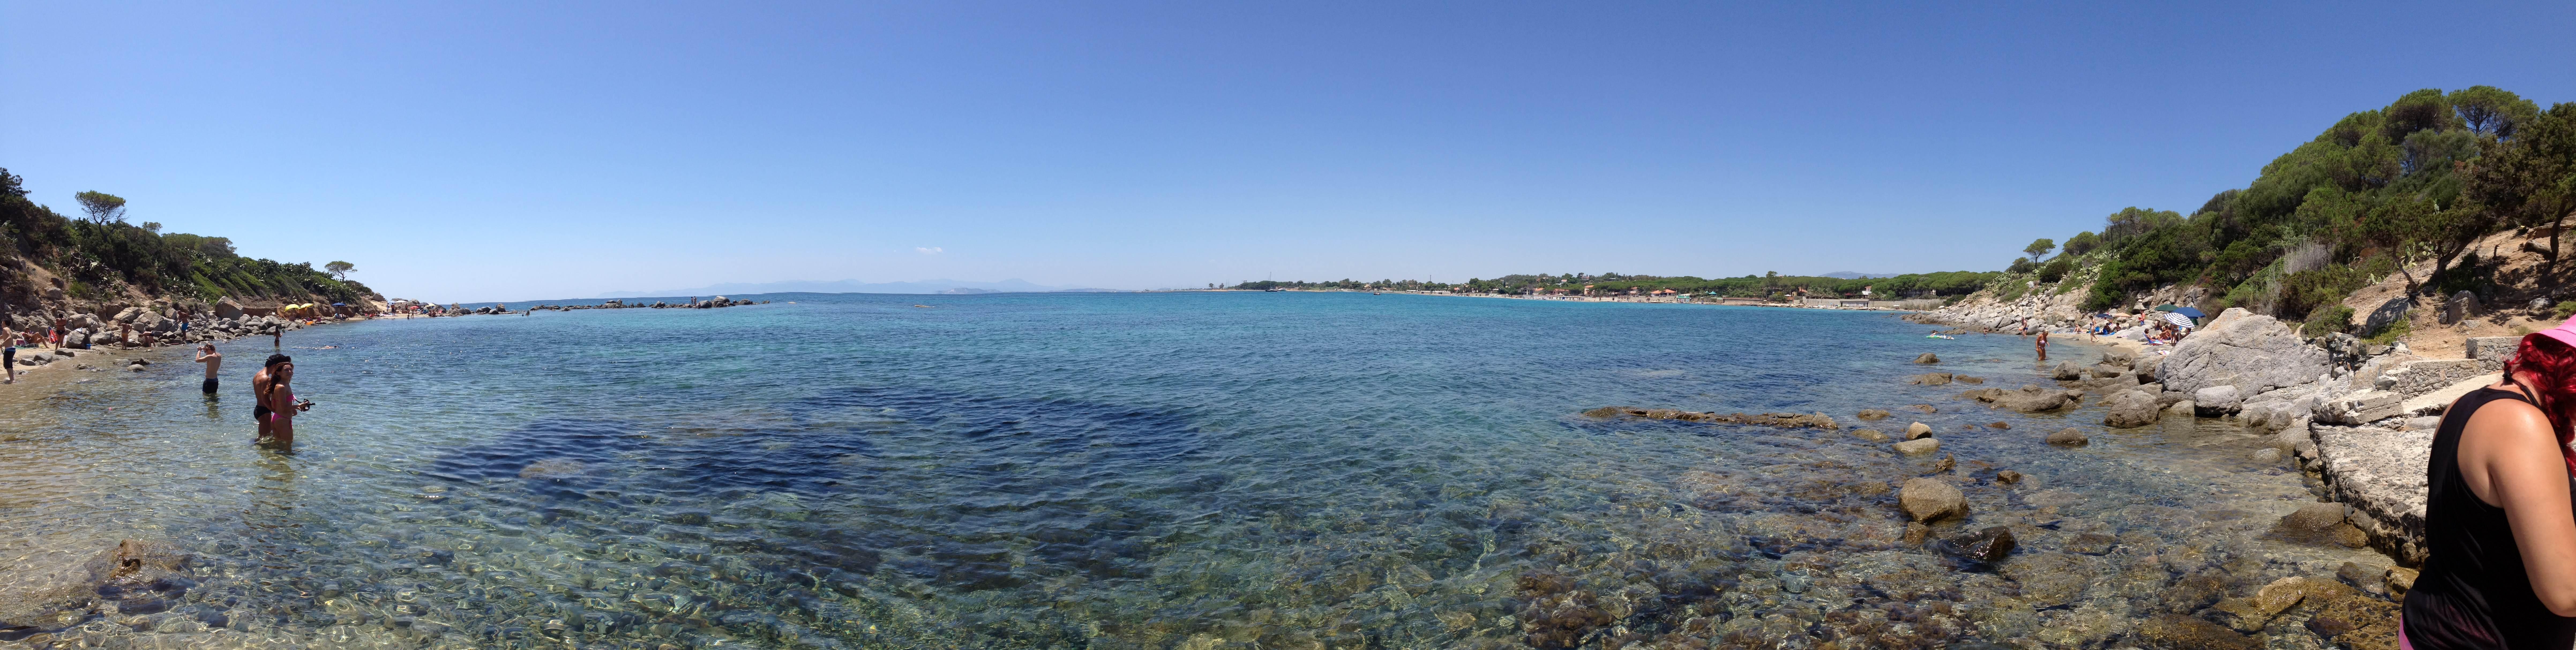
(2394,330)
(2305,292)
(2021,265)
(2327,319)
(2564,308)
(2056,269)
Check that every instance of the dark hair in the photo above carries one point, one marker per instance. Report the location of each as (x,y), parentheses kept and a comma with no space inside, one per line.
(2552,366)
(275,359)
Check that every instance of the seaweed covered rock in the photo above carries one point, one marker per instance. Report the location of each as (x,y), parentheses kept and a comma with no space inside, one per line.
(1929,379)
(1927,358)
(1873,415)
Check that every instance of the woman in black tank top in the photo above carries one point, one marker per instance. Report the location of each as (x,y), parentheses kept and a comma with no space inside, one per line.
(2499,529)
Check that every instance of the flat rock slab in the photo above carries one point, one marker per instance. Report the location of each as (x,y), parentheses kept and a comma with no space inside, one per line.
(2440,399)
(2380,473)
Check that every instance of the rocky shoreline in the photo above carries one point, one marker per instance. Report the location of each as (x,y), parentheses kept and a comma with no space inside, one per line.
(2356,417)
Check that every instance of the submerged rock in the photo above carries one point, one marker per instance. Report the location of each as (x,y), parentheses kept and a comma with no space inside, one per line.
(2320,523)
(1929,379)
(2051,579)
(1873,415)
(2399,579)
(1990,545)
(2030,399)
(2186,633)
(1999,425)
(2069,437)
(1925,499)
(1782,420)
(2092,544)
(1927,358)
(55,590)
(1872,435)
(1919,446)
(2007,477)
(2357,622)
(1964,379)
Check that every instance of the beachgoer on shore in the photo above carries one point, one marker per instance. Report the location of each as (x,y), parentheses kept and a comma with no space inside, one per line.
(206,354)
(2501,540)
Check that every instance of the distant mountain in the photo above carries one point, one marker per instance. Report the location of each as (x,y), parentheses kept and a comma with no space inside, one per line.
(853,286)
(1852,275)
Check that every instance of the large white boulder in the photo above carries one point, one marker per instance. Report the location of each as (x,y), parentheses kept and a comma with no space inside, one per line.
(2252,352)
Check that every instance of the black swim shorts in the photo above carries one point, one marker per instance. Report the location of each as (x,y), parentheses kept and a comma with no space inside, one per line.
(259,413)
(209,385)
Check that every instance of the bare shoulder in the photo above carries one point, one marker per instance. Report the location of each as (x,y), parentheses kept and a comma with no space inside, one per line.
(2511,419)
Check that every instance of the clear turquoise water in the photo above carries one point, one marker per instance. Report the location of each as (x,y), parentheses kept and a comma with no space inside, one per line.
(1113,471)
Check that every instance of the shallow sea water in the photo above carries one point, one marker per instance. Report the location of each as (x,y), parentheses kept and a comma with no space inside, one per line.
(1231,470)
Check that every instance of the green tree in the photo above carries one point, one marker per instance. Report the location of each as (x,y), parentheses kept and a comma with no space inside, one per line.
(341,270)
(102,207)
(2083,242)
(12,185)
(2492,112)
(153,227)
(2531,179)
(2040,247)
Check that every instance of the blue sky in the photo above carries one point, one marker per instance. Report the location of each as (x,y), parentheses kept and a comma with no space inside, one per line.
(507,151)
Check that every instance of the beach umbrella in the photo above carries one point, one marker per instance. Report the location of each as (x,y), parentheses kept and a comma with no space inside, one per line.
(2178,319)
(2187,311)
(2166,307)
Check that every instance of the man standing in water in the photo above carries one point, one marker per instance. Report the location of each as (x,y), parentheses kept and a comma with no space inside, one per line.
(259,383)
(206,354)
(277,337)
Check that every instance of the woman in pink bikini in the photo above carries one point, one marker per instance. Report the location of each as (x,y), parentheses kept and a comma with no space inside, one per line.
(279,403)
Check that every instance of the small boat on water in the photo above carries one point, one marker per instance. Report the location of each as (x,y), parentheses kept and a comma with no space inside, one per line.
(1274,289)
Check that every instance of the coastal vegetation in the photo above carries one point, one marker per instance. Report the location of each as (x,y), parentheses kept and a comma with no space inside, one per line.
(100,256)
(2388,192)
(1768,285)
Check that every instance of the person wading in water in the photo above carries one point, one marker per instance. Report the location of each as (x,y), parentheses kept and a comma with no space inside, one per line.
(259,383)
(279,397)
(2501,538)
(2043,344)
(206,354)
